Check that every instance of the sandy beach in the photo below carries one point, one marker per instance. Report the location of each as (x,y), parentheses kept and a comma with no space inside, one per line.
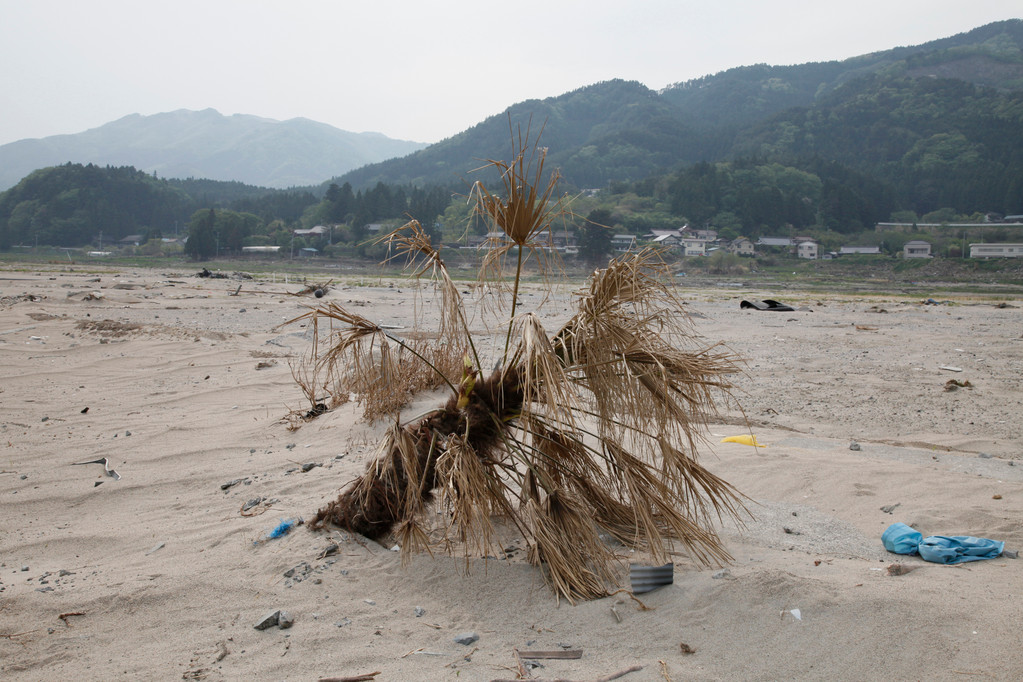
(183,385)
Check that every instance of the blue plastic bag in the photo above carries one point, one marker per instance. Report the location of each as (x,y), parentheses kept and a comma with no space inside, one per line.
(959,548)
(902,539)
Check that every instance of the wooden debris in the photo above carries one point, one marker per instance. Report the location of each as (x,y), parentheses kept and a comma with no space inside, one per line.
(569,654)
(518,661)
(642,606)
(65,616)
(686,649)
(608,678)
(352,678)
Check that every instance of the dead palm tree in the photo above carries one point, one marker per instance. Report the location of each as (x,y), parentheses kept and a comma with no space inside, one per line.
(587,431)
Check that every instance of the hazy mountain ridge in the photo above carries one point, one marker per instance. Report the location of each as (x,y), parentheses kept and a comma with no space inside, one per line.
(610,131)
(182,144)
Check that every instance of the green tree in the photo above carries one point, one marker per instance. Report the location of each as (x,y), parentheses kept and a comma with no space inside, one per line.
(595,237)
(202,240)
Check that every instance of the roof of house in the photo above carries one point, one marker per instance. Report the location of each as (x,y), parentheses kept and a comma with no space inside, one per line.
(775,241)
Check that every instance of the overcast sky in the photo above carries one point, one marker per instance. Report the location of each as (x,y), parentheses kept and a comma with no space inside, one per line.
(419,70)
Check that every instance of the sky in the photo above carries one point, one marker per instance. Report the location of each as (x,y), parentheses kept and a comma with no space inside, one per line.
(420,70)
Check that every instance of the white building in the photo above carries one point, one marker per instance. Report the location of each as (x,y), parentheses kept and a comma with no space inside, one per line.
(623,242)
(851,250)
(916,249)
(996,250)
(694,247)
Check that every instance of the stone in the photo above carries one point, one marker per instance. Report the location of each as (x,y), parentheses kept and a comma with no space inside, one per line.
(466,638)
(854,446)
(269,620)
(285,620)
(420,612)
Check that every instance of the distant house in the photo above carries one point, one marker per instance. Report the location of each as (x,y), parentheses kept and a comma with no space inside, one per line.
(315,231)
(852,250)
(916,249)
(807,249)
(742,247)
(706,235)
(784,242)
(652,235)
(694,247)
(623,242)
(131,240)
(260,249)
(666,240)
(491,240)
(996,250)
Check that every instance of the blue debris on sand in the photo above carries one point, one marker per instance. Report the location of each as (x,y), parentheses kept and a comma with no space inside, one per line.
(902,539)
(282,529)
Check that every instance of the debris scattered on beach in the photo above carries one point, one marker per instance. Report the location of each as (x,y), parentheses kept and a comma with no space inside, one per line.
(648,578)
(278,617)
(106,467)
(282,529)
(900,569)
(955,384)
(745,439)
(367,677)
(766,304)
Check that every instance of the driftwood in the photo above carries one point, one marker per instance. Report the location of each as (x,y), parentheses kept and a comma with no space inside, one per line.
(353,678)
(608,678)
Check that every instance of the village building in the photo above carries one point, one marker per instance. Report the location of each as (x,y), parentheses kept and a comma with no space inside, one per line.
(694,247)
(916,249)
(996,250)
(623,243)
(316,231)
(807,249)
(782,242)
(131,240)
(666,240)
(742,247)
(853,250)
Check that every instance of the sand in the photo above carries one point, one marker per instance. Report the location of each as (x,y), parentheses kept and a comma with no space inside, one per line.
(183,387)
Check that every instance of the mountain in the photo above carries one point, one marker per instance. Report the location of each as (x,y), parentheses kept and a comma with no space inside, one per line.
(207,144)
(623,131)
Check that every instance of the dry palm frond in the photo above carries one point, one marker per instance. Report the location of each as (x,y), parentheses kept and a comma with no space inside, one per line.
(522,213)
(587,434)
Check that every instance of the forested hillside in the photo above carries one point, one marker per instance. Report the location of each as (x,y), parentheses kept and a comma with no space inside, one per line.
(937,125)
(929,132)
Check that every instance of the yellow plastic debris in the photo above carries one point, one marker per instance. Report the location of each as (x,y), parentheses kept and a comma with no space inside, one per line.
(744,440)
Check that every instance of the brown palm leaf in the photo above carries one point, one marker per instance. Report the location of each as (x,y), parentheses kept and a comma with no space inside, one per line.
(577,437)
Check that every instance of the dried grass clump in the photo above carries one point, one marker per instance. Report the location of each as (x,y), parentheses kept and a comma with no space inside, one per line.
(579,432)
